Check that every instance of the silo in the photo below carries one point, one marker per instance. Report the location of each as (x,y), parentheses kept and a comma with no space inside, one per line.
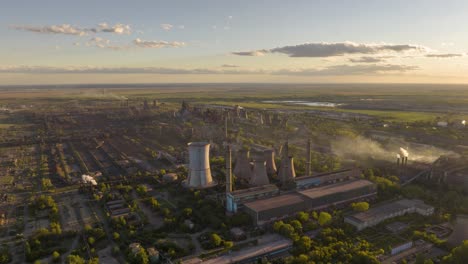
(242,169)
(270,161)
(199,166)
(259,174)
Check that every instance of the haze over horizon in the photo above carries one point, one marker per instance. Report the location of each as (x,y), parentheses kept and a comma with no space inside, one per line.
(71,42)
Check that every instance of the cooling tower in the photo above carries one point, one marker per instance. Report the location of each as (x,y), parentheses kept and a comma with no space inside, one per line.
(242,168)
(267,119)
(259,173)
(199,166)
(270,161)
(287,172)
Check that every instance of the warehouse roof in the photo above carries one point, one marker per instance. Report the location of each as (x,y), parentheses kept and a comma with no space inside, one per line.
(335,188)
(254,191)
(351,170)
(388,209)
(276,202)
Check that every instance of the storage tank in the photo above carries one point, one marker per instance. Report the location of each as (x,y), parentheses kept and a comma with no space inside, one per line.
(199,175)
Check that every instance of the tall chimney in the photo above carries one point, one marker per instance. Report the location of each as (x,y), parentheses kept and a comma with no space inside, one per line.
(309,158)
(270,161)
(228,170)
(226,117)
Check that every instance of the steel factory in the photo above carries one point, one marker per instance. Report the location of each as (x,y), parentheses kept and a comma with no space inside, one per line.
(266,202)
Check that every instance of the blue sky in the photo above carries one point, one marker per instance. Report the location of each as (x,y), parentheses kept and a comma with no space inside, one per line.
(192,41)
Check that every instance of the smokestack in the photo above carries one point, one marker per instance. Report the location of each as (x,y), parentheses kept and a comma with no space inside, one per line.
(270,161)
(398,160)
(259,175)
(309,158)
(226,126)
(199,166)
(242,168)
(228,169)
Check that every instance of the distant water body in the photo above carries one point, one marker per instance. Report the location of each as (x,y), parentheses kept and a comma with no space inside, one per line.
(319,104)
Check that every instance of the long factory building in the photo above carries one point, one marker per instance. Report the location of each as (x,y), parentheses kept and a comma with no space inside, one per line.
(277,207)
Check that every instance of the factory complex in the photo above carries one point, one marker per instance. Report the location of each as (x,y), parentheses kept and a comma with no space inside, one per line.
(319,198)
(379,214)
(265,202)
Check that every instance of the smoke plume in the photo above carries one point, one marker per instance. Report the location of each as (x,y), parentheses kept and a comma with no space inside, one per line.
(360,148)
(88,179)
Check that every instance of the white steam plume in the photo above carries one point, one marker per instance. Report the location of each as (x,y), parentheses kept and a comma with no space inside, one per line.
(88,179)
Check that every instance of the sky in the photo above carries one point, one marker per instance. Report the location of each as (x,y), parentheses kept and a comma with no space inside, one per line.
(88,41)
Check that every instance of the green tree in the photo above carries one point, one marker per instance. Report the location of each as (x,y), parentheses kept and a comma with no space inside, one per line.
(303,217)
(216,240)
(303,245)
(116,236)
(228,244)
(141,257)
(75,259)
(324,218)
(360,206)
(56,256)
(297,225)
(457,255)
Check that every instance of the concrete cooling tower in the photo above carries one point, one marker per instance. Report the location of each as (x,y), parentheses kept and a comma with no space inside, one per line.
(242,169)
(259,174)
(287,172)
(270,161)
(199,166)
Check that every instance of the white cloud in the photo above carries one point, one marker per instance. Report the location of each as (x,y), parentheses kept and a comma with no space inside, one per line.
(255,53)
(157,44)
(325,49)
(447,44)
(54,29)
(370,59)
(444,55)
(166,27)
(117,70)
(68,29)
(367,69)
(119,29)
(229,66)
(373,69)
(181,27)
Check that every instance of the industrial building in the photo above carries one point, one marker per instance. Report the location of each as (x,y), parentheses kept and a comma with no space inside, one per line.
(452,170)
(305,182)
(236,199)
(284,205)
(381,213)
